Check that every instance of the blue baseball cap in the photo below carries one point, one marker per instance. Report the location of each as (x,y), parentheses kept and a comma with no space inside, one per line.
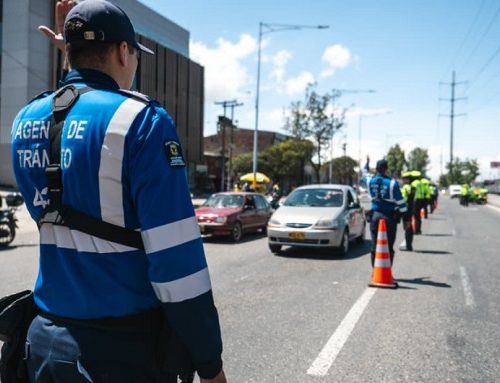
(101,21)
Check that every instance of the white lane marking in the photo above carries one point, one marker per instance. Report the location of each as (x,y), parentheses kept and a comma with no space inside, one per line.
(327,356)
(469,299)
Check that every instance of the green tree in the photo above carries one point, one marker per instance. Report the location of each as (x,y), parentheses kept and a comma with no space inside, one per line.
(319,118)
(418,159)
(287,159)
(462,171)
(395,161)
(243,163)
(343,170)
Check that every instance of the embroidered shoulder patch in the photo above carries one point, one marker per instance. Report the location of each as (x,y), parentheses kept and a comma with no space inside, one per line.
(174,154)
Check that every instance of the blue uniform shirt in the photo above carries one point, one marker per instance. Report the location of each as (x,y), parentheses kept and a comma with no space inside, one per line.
(122,163)
(386,195)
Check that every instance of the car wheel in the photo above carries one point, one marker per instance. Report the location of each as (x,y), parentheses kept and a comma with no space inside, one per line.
(276,249)
(237,232)
(7,234)
(344,245)
(362,237)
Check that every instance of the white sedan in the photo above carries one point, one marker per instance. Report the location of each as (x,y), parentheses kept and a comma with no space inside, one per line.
(324,215)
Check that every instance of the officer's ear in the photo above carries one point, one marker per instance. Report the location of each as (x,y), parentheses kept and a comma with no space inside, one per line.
(124,55)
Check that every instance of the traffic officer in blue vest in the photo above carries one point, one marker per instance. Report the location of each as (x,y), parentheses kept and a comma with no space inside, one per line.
(387,204)
(119,281)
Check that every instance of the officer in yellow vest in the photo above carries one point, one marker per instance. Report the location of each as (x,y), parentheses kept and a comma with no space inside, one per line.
(408,193)
(464,195)
(427,197)
(419,199)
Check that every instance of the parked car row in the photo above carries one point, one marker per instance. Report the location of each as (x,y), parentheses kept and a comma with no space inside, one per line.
(311,216)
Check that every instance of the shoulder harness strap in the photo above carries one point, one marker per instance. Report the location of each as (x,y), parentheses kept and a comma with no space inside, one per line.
(57,213)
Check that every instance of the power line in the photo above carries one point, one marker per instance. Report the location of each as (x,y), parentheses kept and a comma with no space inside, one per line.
(465,38)
(482,38)
(486,64)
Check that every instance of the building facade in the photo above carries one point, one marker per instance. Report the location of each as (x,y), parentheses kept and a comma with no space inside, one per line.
(232,141)
(30,65)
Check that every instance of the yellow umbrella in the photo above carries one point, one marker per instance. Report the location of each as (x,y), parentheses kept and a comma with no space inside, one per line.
(259,177)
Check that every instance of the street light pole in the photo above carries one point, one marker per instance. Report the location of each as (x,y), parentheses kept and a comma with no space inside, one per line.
(269,29)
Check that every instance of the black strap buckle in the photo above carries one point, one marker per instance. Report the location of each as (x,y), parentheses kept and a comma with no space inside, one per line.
(53,174)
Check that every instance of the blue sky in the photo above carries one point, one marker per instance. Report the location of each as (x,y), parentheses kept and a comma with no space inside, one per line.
(402,49)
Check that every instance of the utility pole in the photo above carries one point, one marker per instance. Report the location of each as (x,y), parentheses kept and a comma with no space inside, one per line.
(344,149)
(452,114)
(230,169)
(223,122)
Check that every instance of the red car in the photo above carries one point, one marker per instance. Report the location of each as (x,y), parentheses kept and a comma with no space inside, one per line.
(233,213)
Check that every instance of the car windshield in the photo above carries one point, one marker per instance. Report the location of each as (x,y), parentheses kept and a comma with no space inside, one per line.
(316,197)
(224,200)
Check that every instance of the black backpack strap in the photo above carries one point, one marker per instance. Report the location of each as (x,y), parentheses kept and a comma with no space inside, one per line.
(57,213)
(62,102)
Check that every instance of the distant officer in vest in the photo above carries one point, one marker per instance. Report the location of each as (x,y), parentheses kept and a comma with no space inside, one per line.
(408,193)
(418,186)
(387,204)
(427,196)
(464,194)
(103,302)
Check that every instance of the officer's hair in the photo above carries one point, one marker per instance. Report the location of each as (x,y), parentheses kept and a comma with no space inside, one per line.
(85,53)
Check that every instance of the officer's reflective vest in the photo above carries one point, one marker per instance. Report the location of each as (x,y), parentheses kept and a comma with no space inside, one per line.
(419,189)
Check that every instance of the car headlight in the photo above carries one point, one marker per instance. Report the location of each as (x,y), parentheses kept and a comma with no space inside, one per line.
(327,223)
(274,221)
(220,219)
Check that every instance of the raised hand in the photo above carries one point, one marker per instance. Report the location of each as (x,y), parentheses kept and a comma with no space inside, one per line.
(56,37)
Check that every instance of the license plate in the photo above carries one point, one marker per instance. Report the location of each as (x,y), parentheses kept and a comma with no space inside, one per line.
(296,235)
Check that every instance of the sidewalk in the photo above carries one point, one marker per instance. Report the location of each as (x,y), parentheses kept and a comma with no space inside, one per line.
(494,199)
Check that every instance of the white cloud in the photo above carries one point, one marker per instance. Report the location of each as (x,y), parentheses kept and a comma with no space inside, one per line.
(225,76)
(280,60)
(297,85)
(274,119)
(337,57)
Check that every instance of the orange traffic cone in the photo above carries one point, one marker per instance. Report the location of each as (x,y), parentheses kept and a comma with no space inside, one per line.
(422,213)
(382,274)
(413,224)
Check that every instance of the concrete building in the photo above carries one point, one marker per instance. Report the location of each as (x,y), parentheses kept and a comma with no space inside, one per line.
(31,65)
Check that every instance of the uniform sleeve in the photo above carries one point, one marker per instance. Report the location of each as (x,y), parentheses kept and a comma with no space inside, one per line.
(178,268)
(398,198)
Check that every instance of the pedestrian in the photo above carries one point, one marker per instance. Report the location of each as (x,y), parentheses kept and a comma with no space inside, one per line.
(132,266)
(387,204)
(408,193)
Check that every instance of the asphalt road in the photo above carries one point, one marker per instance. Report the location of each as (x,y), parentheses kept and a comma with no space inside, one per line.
(308,316)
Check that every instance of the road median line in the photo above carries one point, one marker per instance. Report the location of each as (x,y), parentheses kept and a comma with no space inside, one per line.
(332,348)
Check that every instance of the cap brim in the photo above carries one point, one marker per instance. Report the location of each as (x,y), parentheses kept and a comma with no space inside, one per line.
(145,49)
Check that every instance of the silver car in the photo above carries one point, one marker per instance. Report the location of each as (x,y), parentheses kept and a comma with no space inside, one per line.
(318,216)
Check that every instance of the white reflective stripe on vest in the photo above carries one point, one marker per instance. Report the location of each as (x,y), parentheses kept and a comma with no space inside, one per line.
(184,288)
(170,235)
(110,169)
(63,237)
